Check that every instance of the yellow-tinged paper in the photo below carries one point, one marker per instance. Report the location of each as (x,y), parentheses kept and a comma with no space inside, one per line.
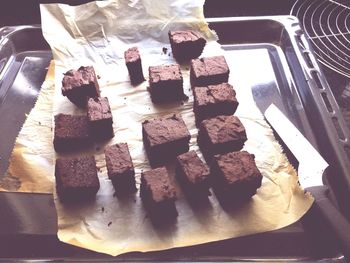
(97,34)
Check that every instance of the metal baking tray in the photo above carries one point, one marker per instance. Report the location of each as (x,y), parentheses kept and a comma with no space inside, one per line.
(28,221)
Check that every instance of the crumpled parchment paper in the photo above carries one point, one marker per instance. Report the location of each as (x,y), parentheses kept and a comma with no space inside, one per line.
(97,34)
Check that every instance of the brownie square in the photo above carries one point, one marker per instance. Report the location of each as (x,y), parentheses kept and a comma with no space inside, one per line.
(208,71)
(76,178)
(133,63)
(193,175)
(120,168)
(236,175)
(158,194)
(214,100)
(186,44)
(79,85)
(100,118)
(71,132)
(165,138)
(221,134)
(166,83)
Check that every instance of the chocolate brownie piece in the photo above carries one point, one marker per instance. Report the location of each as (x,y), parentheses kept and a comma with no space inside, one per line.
(76,178)
(193,174)
(79,85)
(133,63)
(158,194)
(71,132)
(120,168)
(214,100)
(236,175)
(165,138)
(100,118)
(221,134)
(186,45)
(209,71)
(166,83)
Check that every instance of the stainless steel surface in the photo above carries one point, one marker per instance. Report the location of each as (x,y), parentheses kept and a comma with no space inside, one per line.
(24,57)
(256,44)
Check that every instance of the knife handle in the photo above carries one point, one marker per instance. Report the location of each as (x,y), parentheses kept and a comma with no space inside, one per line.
(339,225)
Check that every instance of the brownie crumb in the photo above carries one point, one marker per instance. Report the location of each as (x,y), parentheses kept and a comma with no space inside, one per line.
(109,224)
(102,209)
(98,76)
(165,50)
(39,123)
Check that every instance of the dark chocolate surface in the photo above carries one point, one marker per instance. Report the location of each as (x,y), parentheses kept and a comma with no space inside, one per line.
(118,159)
(134,65)
(192,167)
(100,118)
(71,132)
(221,134)
(165,138)
(120,167)
(164,130)
(99,109)
(214,100)
(208,71)
(166,83)
(186,44)
(157,182)
(79,85)
(76,178)
(236,174)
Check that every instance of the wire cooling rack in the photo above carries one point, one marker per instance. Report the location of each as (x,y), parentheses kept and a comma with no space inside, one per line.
(327,25)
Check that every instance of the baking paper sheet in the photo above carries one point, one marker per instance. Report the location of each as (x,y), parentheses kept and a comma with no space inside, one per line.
(97,34)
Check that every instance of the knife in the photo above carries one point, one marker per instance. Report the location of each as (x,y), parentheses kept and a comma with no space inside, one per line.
(310,175)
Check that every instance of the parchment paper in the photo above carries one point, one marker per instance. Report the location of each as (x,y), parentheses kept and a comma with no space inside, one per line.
(97,34)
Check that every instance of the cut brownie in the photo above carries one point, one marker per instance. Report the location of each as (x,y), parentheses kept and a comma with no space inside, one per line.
(133,63)
(193,174)
(76,178)
(236,175)
(166,83)
(71,132)
(158,194)
(186,45)
(209,71)
(100,118)
(221,134)
(120,168)
(165,138)
(214,100)
(79,85)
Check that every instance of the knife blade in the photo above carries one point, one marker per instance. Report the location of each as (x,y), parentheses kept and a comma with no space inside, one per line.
(310,171)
